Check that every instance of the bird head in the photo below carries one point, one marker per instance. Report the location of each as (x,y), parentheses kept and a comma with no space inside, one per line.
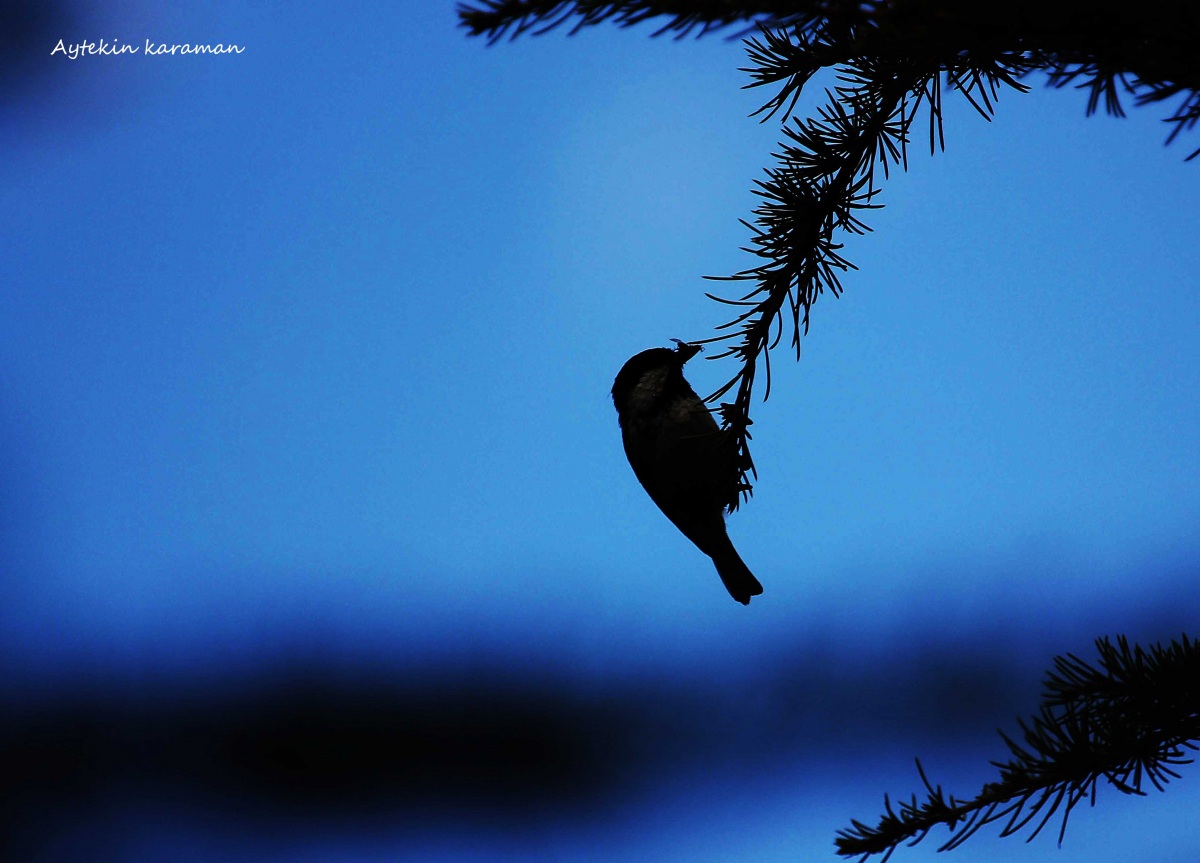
(650,376)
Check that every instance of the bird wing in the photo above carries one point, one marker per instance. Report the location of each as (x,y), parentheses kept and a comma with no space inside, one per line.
(686,472)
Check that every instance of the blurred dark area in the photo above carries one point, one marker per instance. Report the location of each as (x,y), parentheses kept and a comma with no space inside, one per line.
(29,30)
(500,747)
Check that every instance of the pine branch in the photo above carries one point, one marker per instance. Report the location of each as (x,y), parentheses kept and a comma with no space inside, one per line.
(1129,720)
(893,60)
(825,177)
(497,18)
(824,181)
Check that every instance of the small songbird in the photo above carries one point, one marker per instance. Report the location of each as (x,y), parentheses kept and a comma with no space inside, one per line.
(681,457)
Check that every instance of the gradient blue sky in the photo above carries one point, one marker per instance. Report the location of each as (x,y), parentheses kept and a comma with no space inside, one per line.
(309,348)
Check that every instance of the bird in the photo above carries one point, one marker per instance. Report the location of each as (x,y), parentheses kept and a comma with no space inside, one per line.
(684,461)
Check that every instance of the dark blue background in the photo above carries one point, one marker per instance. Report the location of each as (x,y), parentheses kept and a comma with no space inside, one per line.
(318,541)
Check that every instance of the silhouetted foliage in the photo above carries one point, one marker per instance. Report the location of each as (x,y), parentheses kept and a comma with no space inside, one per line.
(893,61)
(1129,721)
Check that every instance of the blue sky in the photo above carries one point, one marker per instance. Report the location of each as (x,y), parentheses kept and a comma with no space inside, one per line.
(307,351)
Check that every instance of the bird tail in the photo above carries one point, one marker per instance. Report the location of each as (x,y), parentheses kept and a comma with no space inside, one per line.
(738,579)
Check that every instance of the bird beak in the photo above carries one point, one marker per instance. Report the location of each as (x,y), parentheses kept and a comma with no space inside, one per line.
(686,351)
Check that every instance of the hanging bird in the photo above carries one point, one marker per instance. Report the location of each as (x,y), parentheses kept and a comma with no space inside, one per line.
(681,457)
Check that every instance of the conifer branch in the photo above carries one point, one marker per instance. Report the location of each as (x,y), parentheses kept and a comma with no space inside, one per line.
(892,59)
(496,19)
(1129,720)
